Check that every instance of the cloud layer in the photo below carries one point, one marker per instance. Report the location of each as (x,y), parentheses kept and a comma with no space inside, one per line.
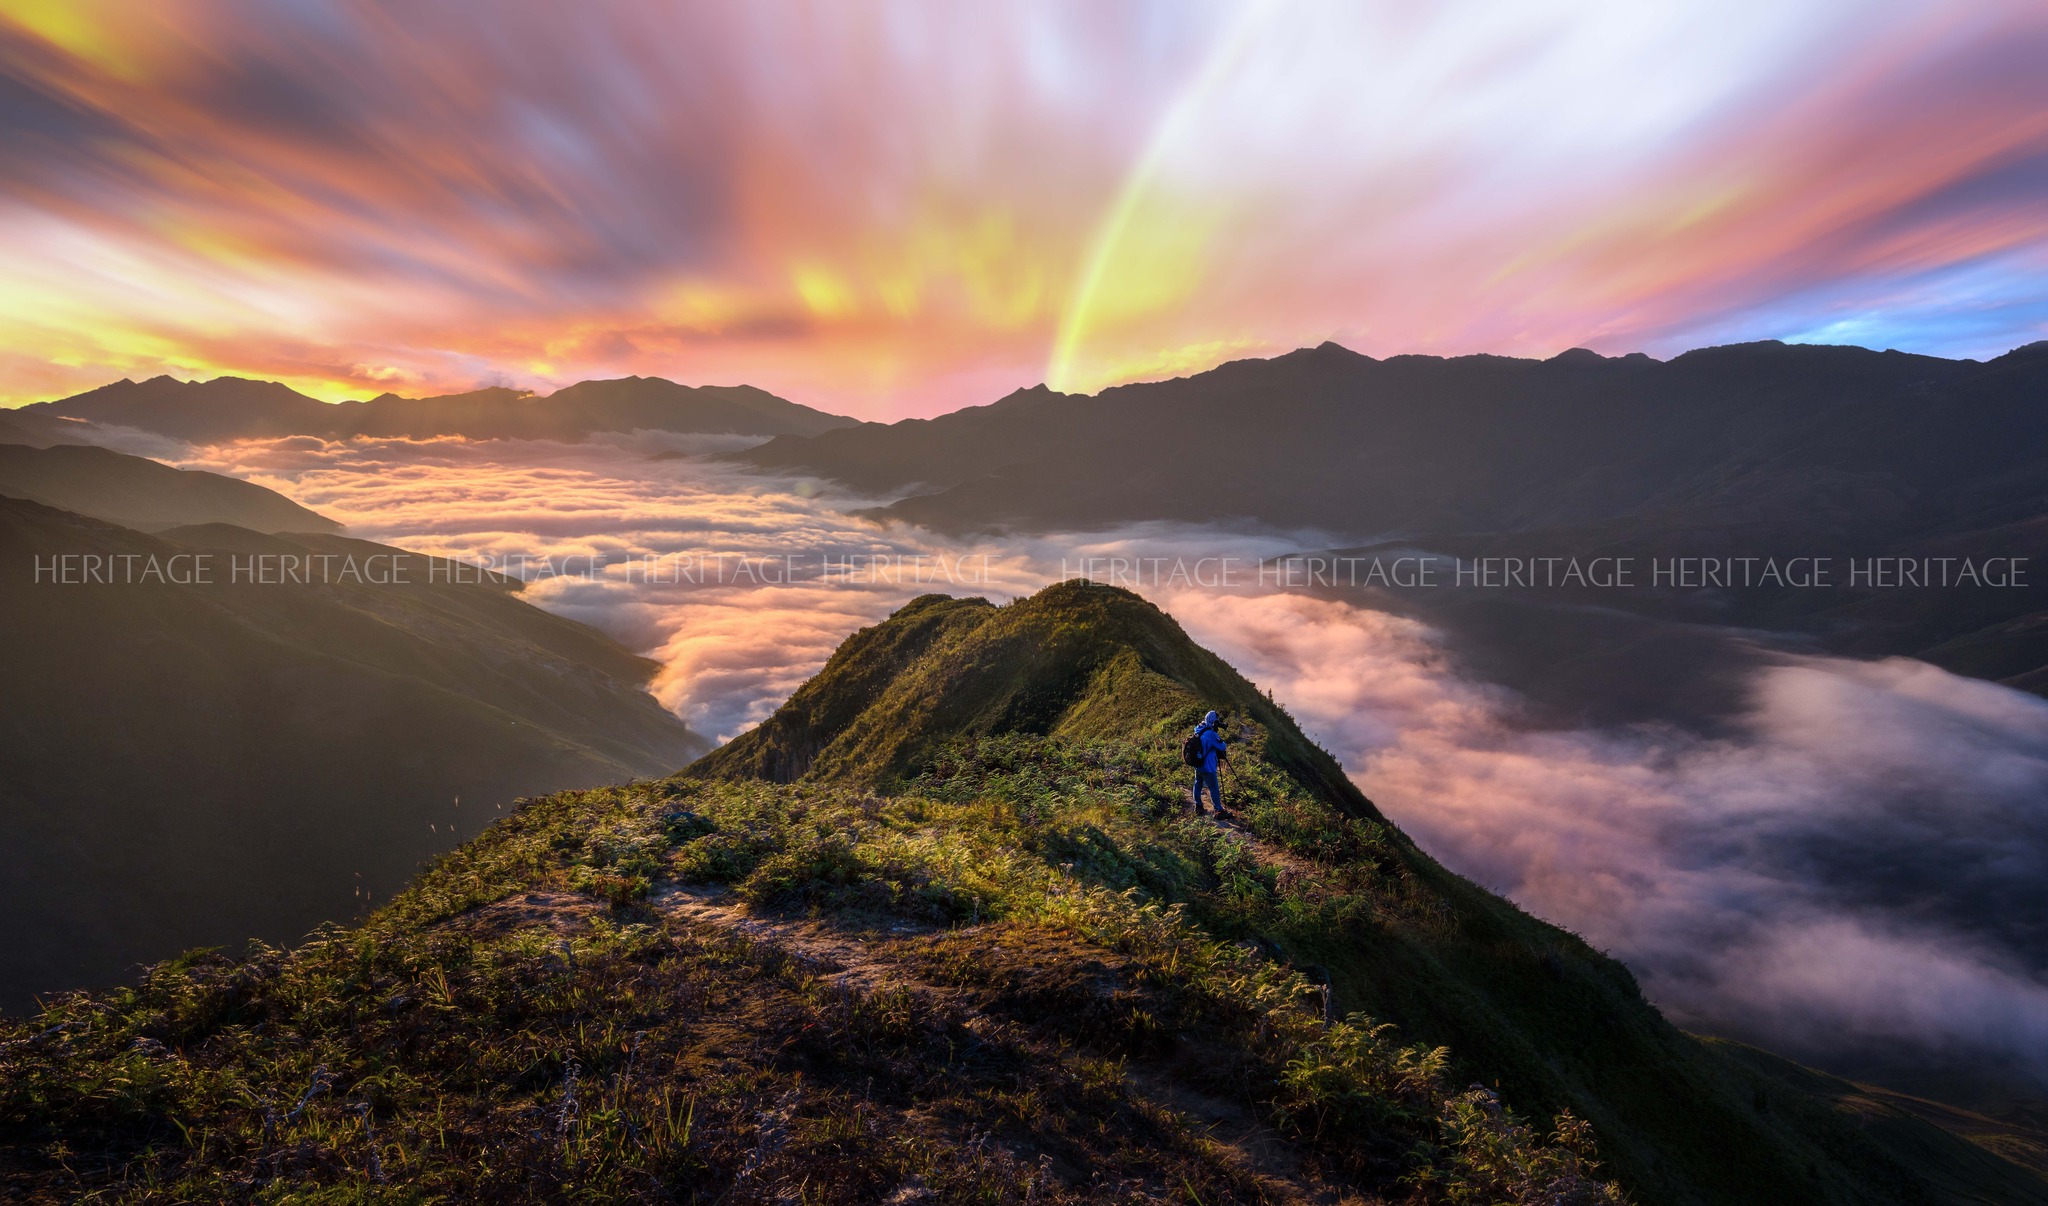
(676,555)
(1861,867)
(905,207)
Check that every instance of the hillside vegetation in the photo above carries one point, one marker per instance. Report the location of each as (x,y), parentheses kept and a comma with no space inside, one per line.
(196,763)
(941,930)
(139,493)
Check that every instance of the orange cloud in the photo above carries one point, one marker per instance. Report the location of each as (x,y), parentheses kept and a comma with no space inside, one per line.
(902,214)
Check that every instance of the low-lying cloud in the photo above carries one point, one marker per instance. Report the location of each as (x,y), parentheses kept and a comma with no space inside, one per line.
(1856,862)
(1861,866)
(733,646)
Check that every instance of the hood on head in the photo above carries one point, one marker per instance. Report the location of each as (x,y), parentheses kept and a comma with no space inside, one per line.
(1212,720)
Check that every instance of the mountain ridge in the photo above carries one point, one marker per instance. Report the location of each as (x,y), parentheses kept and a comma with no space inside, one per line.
(984,957)
(1758,449)
(1477,416)
(237,408)
(944,932)
(1080,661)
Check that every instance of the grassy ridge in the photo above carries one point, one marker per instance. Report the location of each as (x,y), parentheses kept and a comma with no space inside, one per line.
(980,955)
(597,1048)
(1074,660)
(1525,1007)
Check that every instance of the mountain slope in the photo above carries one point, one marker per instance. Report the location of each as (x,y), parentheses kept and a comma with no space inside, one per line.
(12,432)
(1072,660)
(1529,1008)
(1756,450)
(944,933)
(206,762)
(233,408)
(1763,439)
(139,493)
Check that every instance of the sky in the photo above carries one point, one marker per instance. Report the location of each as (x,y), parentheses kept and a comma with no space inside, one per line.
(895,209)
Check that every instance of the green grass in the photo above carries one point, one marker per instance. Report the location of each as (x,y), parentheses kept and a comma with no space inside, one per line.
(1059,972)
(645,1059)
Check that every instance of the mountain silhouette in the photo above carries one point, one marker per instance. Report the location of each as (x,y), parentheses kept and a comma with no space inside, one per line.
(227,408)
(1759,450)
(1767,441)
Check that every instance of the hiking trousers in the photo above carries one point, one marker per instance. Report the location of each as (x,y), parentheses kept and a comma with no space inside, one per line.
(1207,778)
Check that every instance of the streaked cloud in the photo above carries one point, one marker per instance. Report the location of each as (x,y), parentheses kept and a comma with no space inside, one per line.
(906,207)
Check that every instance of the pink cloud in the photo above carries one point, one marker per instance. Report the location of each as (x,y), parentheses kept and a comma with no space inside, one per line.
(1856,866)
(902,210)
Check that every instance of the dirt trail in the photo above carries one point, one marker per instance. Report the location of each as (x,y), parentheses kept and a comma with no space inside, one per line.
(861,960)
(865,959)
(848,957)
(1263,851)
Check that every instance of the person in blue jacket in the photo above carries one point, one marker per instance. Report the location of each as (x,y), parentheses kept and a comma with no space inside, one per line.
(1213,751)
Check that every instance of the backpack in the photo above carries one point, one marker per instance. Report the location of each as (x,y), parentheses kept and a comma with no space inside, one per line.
(1191,752)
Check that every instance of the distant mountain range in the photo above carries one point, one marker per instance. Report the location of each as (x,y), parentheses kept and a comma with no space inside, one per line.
(189,764)
(1759,449)
(229,408)
(1761,440)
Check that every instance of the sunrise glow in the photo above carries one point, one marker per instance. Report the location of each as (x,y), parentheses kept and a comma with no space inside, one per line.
(884,216)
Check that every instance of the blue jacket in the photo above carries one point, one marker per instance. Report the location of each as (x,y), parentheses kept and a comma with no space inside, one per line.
(1212,745)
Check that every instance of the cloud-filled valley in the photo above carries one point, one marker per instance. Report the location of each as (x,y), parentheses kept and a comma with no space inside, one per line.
(1858,867)
(639,601)
(628,533)
(1851,866)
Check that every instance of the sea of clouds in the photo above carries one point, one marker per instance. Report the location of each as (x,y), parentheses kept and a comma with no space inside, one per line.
(1856,863)
(1859,868)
